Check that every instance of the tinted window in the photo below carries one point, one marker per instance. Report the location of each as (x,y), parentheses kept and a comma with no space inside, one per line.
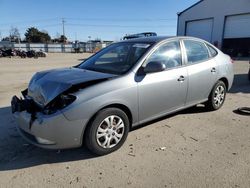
(196,51)
(213,52)
(117,58)
(169,54)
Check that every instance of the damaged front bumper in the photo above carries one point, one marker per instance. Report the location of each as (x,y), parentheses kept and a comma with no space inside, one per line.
(53,131)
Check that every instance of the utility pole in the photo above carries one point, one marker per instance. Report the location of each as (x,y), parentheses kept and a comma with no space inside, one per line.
(63,46)
(63,22)
(90,44)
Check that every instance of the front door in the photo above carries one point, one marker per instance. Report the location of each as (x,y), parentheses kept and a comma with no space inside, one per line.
(162,92)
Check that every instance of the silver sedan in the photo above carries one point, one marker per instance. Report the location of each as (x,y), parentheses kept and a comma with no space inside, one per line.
(128,83)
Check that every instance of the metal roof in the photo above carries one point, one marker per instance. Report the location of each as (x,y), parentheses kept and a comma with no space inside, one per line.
(179,13)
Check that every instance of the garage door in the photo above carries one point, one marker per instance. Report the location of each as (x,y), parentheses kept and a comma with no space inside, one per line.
(200,28)
(237,26)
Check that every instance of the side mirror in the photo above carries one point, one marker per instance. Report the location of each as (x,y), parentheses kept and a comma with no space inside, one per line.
(154,66)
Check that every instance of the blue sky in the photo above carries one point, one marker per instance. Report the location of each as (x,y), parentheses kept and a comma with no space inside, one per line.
(105,19)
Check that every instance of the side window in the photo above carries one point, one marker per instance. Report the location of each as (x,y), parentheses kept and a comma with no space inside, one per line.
(169,54)
(213,52)
(196,51)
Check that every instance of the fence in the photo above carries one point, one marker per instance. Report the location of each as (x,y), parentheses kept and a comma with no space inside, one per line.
(89,46)
(39,47)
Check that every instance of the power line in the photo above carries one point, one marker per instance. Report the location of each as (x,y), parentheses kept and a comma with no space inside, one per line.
(93,19)
(120,26)
(30,21)
(92,25)
(84,24)
(124,19)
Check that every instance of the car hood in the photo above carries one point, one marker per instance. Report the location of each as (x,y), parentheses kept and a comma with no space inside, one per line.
(47,85)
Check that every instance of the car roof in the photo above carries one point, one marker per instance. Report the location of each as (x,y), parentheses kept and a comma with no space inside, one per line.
(152,39)
(156,39)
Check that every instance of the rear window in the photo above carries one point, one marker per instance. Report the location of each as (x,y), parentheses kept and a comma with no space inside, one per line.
(212,51)
(196,51)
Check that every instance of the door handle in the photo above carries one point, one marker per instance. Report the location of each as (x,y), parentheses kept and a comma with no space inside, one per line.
(181,79)
(213,69)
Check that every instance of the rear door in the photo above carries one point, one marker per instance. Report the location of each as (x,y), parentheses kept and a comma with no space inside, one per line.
(202,71)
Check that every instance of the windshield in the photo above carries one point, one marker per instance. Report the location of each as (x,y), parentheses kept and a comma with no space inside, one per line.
(117,58)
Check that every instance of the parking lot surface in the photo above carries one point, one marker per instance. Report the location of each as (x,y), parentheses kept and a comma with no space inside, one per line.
(192,148)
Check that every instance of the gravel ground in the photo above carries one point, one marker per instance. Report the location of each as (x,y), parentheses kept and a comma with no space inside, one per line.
(193,148)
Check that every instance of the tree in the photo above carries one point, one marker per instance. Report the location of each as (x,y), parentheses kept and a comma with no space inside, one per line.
(14,35)
(60,39)
(35,36)
(63,38)
(6,39)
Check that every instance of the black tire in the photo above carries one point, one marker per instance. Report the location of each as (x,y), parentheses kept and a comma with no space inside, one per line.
(212,104)
(90,135)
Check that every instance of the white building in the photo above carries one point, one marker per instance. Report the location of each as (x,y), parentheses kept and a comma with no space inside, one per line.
(225,23)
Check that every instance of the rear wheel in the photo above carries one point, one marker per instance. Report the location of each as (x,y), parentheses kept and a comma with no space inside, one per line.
(217,96)
(107,132)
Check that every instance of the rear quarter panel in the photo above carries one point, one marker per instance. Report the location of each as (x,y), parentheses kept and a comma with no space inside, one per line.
(225,68)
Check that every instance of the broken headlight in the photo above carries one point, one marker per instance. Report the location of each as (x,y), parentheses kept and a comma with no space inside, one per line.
(59,103)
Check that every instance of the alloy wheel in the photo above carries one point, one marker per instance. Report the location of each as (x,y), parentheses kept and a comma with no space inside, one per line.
(219,96)
(110,131)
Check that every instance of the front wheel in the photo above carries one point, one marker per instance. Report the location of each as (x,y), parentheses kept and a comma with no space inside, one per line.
(107,132)
(217,96)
